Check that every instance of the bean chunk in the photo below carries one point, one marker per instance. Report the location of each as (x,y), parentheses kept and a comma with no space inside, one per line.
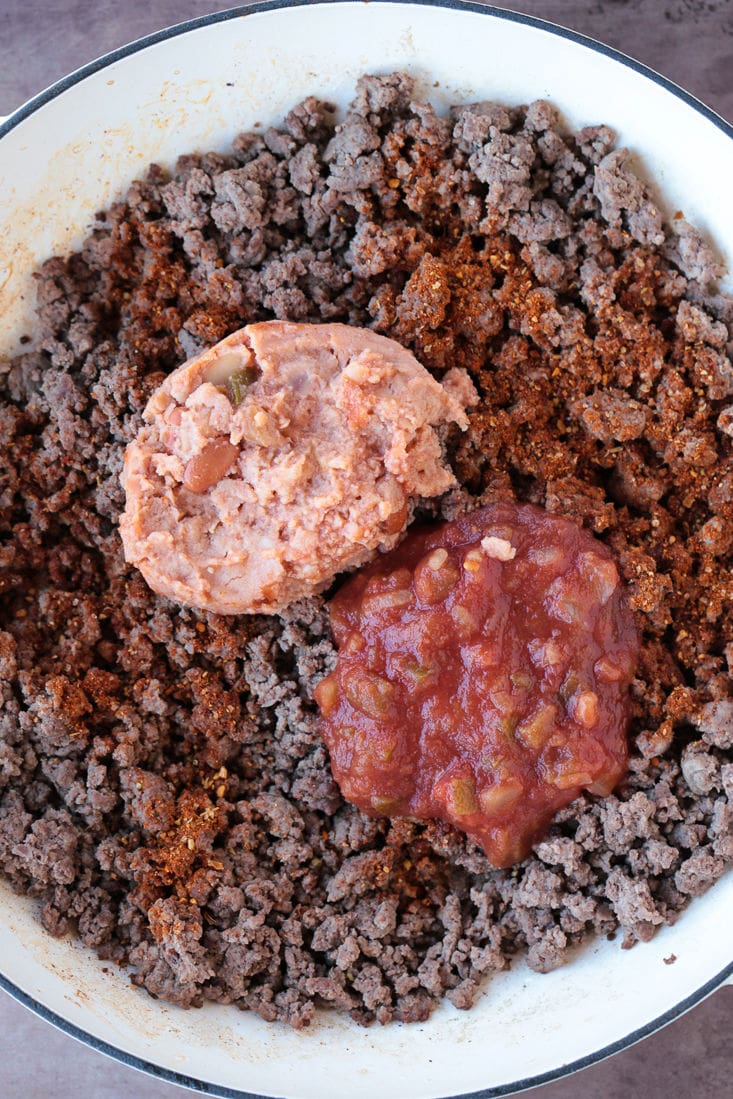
(482,677)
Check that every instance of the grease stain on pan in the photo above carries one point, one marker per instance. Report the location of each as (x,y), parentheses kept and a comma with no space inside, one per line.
(98,996)
(52,214)
(54,218)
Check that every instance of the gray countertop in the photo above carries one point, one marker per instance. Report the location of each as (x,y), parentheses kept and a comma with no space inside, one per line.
(690,41)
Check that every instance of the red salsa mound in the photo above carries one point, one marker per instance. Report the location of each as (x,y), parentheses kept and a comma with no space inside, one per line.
(482,676)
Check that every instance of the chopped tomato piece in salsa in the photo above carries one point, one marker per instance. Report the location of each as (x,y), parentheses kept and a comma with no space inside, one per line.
(482,676)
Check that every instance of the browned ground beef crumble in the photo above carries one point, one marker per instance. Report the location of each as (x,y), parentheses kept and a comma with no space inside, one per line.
(165,792)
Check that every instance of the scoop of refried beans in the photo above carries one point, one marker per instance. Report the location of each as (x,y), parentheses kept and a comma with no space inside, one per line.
(164,792)
(280,457)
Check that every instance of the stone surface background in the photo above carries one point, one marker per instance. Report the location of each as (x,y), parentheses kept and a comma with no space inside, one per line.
(690,41)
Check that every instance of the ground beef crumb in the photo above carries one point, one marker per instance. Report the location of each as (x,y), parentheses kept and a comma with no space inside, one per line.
(164,792)
(715,720)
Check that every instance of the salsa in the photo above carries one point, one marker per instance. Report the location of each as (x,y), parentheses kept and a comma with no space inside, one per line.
(482,676)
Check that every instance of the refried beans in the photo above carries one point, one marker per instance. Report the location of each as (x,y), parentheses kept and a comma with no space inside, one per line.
(280,457)
(164,791)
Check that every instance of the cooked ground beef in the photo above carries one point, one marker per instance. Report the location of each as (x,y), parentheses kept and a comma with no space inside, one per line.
(165,791)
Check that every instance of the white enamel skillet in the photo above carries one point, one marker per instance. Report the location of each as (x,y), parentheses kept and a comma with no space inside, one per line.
(70,151)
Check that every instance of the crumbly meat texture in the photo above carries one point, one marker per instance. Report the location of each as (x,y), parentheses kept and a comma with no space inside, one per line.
(285,454)
(165,792)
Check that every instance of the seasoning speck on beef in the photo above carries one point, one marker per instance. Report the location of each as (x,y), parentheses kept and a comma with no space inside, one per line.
(164,790)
